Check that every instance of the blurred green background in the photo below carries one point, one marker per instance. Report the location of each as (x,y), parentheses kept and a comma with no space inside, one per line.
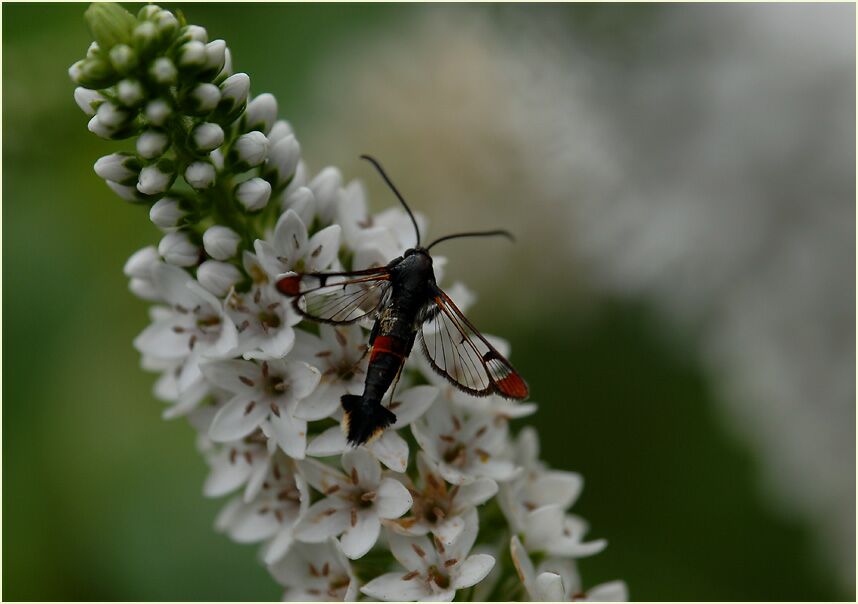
(102,498)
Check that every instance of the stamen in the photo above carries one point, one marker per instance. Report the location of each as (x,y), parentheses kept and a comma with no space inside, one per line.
(411,575)
(419,550)
(275,409)
(354,518)
(246,381)
(249,407)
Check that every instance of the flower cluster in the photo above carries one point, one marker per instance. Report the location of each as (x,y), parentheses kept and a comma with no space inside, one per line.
(451,503)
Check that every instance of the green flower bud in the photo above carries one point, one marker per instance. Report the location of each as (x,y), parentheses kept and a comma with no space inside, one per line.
(110,24)
(93,73)
(163,71)
(123,58)
(148,12)
(191,56)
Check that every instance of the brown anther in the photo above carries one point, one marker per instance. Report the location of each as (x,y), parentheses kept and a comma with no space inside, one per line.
(411,575)
(439,513)
(438,545)
(257,296)
(341,338)
(279,515)
(329,512)
(450,562)
(249,407)
(275,409)
(233,454)
(323,354)
(354,476)
(181,309)
(368,496)
(248,457)
(326,569)
(419,550)
(266,485)
(313,591)
(314,571)
(315,253)
(178,329)
(481,431)
(275,469)
(246,381)
(447,438)
(244,325)
(264,510)
(265,369)
(484,455)
(192,341)
(332,489)
(457,425)
(354,517)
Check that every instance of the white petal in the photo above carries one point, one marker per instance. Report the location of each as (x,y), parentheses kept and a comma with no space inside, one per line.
(391,450)
(613,591)
(290,236)
(228,513)
(279,546)
(172,282)
(556,487)
(289,432)
(322,403)
(405,550)
(450,529)
(465,541)
(322,248)
(226,476)
(472,571)
(549,588)
(499,469)
(330,442)
(250,526)
(159,340)
(360,462)
(303,378)
(523,565)
(413,403)
(319,522)
(321,476)
(391,588)
(228,375)
(236,420)
(359,539)
(476,493)
(393,499)
(267,256)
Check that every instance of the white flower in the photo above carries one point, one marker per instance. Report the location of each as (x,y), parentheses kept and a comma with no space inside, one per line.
(122,168)
(326,187)
(265,321)
(253,194)
(156,178)
(166,213)
(242,462)
(152,143)
(558,580)
(389,448)
(157,112)
(464,449)
(200,174)
(290,249)
(192,328)
(433,571)
(437,508)
(218,277)
(138,268)
(354,503)
(271,514)
(177,248)
(207,136)
(316,572)
(260,113)
(264,395)
(251,149)
(220,242)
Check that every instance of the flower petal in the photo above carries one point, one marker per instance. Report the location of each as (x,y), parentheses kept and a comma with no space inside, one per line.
(303,378)
(290,236)
(413,403)
(390,449)
(549,588)
(322,248)
(450,529)
(330,442)
(321,476)
(476,493)
(233,376)
(289,432)
(392,499)
(392,588)
(238,418)
(326,518)
(612,591)
(360,463)
(361,536)
(414,553)
(473,570)
(322,403)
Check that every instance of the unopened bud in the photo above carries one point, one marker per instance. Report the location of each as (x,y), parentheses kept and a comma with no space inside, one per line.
(200,175)
(203,98)
(233,93)
(250,150)
(152,143)
(206,137)
(88,100)
(123,58)
(130,92)
(191,55)
(282,161)
(118,167)
(156,178)
(177,248)
(253,194)
(140,262)
(158,111)
(163,71)
(220,242)
(128,193)
(218,277)
(260,114)
(280,130)
(166,213)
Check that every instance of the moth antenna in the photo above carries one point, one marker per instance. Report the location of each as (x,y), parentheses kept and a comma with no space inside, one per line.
(396,192)
(500,232)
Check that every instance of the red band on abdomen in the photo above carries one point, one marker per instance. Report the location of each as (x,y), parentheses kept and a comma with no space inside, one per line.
(389,345)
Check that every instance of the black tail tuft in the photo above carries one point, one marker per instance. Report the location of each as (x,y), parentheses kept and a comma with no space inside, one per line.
(364,421)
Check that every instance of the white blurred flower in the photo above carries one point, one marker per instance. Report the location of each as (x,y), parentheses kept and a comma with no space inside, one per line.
(166,213)
(176,248)
(218,277)
(355,502)
(253,194)
(434,571)
(291,249)
(316,572)
(265,322)
(221,242)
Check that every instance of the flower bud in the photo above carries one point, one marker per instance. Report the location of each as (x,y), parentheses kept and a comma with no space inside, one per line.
(94,51)
(193,33)
(166,213)
(191,55)
(253,194)
(130,92)
(233,93)
(260,114)
(156,178)
(123,58)
(140,262)
(177,248)
(215,56)
(158,111)
(280,130)
(127,193)
(282,161)
(167,24)
(226,71)
(220,242)
(110,24)
(203,98)
(88,100)
(206,137)
(216,158)
(93,72)
(148,12)
(302,202)
(250,150)
(144,289)
(112,116)
(152,143)
(118,167)
(145,38)
(163,71)
(99,129)
(218,277)
(200,175)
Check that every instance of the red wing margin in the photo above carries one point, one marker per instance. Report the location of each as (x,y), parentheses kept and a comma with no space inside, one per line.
(337,297)
(457,351)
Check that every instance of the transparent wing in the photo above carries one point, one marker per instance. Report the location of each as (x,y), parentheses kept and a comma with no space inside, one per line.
(459,352)
(339,298)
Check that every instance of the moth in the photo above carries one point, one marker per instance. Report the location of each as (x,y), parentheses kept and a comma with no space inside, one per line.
(406,305)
